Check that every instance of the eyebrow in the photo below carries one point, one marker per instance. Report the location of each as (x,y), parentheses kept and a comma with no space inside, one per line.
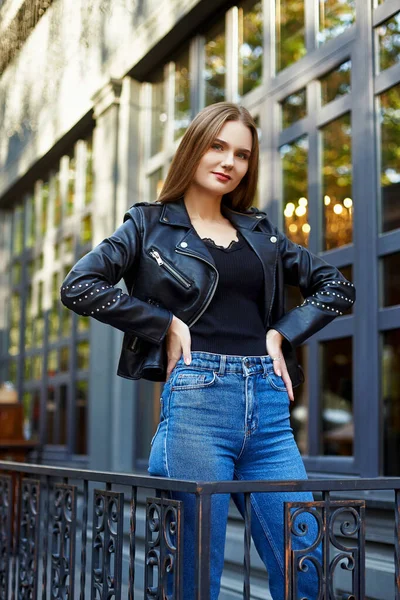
(225,144)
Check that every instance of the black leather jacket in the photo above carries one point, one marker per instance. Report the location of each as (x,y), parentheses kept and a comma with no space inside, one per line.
(168,270)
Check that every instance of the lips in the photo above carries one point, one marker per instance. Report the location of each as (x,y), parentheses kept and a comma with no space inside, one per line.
(222,176)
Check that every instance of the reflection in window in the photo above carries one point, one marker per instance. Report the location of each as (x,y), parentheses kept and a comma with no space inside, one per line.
(37,366)
(30,221)
(148,414)
(390,387)
(63,417)
(299,408)
(89,171)
(390,281)
(335,16)
(71,185)
(155,184)
(293,108)
(182,94)
(86,229)
(290,42)
(57,200)
(214,71)
(45,205)
(294,175)
(337,398)
(83,351)
(13,344)
(52,363)
(81,417)
(336,83)
(158,114)
(18,230)
(389,42)
(12,371)
(250,46)
(30,403)
(389,159)
(28,318)
(16,273)
(64,359)
(50,415)
(337,182)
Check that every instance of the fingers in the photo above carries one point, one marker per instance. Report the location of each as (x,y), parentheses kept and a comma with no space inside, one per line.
(283,372)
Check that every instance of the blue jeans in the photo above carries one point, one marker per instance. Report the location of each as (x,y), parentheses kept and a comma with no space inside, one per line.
(226,417)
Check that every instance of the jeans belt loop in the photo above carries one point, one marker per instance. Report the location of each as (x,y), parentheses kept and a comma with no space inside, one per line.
(222,363)
(265,366)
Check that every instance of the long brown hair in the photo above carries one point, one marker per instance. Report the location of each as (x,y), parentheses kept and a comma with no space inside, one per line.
(197,140)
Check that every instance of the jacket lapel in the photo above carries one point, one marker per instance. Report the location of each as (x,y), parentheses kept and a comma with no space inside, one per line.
(264,244)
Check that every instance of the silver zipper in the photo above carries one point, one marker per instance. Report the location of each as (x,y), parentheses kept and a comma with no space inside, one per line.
(162,263)
(213,292)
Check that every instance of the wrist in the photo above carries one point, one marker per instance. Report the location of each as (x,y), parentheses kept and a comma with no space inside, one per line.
(273,334)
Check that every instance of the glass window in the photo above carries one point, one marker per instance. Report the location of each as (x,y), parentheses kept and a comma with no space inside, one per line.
(83,352)
(337,433)
(294,174)
(389,158)
(64,359)
(155,183)
(158,113)
(390,279)
(300,407)
(63,403)
(389,42)
(18,230)
(57,200)
(390,387)
(215,69)
(30,221)
(16,273)
(45,205)
(81,417)
(290,26)
(13,347)
(89,171)
(335,16)
(71,185)
(293,108)
(182,115)
(250,46)
(336,83)
(337,183)
(86,229)
(50,415)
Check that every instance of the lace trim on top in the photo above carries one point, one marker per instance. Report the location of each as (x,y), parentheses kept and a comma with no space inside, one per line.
(223,247)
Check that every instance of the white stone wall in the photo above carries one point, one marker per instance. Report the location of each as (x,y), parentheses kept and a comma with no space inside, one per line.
(73,52)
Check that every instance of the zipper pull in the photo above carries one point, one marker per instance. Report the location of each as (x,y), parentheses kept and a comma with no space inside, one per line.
(158,258)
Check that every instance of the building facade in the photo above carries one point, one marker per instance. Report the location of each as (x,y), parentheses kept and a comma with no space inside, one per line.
(94,99)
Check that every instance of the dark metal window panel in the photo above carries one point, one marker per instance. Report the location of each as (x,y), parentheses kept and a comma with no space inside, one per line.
(384,11)
(340,327)
(335,109)
(389,242)
(314,64)
(387,79)
(292,133)
(389,318)
(345,465)
(340,257)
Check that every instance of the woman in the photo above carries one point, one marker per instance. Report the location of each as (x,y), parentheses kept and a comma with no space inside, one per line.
(205,274)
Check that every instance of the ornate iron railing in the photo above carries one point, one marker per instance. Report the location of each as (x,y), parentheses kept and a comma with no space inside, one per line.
(49,514)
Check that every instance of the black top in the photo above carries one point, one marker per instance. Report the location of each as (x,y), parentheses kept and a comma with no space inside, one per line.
(232,322)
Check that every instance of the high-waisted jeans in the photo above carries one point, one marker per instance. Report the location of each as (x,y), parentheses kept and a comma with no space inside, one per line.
(226,417)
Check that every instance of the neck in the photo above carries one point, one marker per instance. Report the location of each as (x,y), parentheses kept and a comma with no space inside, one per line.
(201,205)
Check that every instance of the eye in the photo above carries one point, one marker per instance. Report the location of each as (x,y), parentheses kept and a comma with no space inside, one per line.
(243,155)
(216,145)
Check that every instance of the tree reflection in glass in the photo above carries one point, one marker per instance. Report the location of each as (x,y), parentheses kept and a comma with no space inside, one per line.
(250,46)
(336,83)
(389,115)
(337,183)
(294,108)
(182,94)
(335,16)
(294,175)
(215,69)
(290,26)
(390,390)
(158,113)
(389,42)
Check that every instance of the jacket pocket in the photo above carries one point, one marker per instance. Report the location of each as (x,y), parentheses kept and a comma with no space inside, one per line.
(162,262)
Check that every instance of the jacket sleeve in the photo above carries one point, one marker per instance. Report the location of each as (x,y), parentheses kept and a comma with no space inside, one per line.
(327,294)
(89,290)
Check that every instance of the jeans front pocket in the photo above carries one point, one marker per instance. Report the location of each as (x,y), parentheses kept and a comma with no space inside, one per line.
(192,379)
(276,382)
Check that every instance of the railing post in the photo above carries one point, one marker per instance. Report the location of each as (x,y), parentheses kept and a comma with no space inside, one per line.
(203,530)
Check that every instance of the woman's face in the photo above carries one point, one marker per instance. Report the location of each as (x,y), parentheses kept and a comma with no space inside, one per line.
(228,154)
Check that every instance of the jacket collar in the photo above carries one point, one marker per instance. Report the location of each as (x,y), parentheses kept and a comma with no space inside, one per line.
(175,213)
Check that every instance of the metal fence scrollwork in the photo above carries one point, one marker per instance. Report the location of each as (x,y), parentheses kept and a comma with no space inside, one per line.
(63,541)
(28,538)
(339,539)
(107,545)
(5,533)
(163,544)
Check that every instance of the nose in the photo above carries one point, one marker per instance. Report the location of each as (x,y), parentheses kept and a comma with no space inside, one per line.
(228,160)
